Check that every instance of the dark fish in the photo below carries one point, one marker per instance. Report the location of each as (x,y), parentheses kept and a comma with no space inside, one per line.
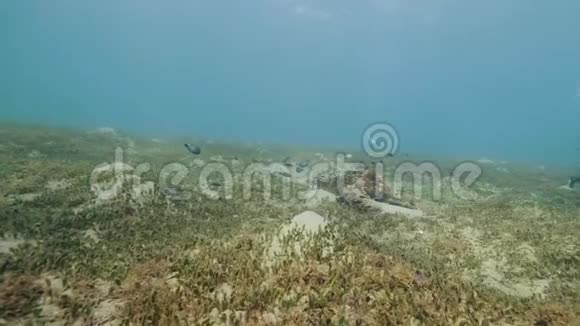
(193,149)
(216,184)
(572,181)
(303,164)
(299,169)
(288,164)
(285,174)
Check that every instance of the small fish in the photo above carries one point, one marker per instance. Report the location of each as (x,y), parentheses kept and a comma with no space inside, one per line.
(299,169)
(285,174)
(216,184)
(303,164)
(193,149)
(572,181)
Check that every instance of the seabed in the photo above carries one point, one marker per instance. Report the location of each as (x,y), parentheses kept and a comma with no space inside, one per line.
(70,255)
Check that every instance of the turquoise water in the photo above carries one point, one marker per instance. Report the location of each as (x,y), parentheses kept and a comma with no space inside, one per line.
(499,79)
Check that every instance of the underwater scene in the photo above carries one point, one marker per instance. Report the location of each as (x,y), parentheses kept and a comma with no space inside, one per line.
(289,162)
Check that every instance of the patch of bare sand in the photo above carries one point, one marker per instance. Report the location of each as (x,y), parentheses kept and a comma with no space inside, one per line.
(28,197)
(385,208)
(197,163)
(316,197)
(105,313)
(55,185)
(494,277)
(306,224)
(494,266)
(7,244)
(310,221)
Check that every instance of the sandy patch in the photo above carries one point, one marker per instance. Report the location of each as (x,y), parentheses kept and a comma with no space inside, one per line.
(28,197)
(485,160)
(55,185)
(217,159)
(494,277)
(106,312)
(494,267)
(105,131)
(565,187)
(306,224)
(310,221)
(6,245)
(317,197)
(197,163)
(385,208)
(502,169)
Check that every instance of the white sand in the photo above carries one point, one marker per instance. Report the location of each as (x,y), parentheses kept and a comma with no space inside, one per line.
(392,209)
(316,197)
(308,221)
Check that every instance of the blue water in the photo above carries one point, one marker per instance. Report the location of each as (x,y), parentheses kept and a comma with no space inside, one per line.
(492,78)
